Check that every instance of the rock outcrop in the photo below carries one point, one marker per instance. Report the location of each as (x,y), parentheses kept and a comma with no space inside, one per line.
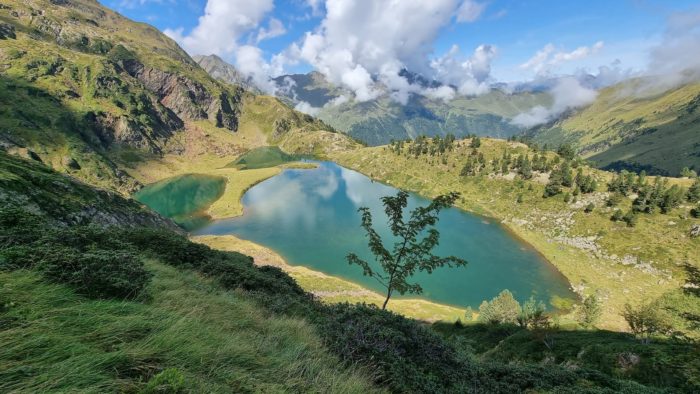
(187,98)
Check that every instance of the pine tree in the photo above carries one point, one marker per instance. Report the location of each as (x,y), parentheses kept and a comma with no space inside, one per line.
(476,143)
(694,192)
(566,177)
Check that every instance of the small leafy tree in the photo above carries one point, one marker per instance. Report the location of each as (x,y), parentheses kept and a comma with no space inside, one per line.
(590,311)
(688,173)
(646,321)
(411,253)
(566,151)
(630,218)
(694,192)
(533,316)
(617,215)
(504,308)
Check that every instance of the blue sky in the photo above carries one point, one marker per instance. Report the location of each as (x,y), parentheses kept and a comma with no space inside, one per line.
(517,28)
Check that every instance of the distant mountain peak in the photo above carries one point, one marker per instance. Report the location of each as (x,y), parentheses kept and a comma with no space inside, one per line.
(223,71)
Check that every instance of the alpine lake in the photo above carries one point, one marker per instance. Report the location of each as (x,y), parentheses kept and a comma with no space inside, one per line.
(310,217)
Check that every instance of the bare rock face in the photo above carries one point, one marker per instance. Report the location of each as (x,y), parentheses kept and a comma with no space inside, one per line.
(7,31)
(695,231)
(70,163)
(188,99)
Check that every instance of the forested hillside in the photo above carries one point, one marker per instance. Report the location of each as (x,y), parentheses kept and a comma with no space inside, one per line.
(634,127)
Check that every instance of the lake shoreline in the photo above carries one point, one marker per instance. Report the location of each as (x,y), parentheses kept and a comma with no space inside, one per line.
(229,205)
(331,288)
(485,213)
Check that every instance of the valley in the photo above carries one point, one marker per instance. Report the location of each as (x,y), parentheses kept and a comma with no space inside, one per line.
(165,226)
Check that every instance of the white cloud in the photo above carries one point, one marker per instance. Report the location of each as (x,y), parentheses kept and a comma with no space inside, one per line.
(221,27)
(547,58)
(675,61)
(471,76)
(307,108)
(567,94)
(470,11)
(275,29)
(316,6)
(250,62)
(340,100)
(444,93)
(362,42)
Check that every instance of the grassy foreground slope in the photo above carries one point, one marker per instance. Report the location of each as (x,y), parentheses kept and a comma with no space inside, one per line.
(57,339)
(629,127)
(118,308)
(621,264)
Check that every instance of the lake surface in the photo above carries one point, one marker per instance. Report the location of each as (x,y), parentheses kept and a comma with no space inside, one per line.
(183,198)
(310,218)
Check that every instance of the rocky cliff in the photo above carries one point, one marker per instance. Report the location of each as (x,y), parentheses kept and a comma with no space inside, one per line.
(80,85)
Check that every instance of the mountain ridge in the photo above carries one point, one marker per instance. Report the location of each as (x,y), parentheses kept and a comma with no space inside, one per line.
(383,119)
(634,127)
(94,94)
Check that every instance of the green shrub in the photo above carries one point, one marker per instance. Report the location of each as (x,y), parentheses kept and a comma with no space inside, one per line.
(695,212)
(97,273)
(533,316)
(19,227)
(171,248)
(590,311)
(617,215)
(504,308)
(403,354)
(589,208)
(170,381)
(630,218)
(646,321)
(234,273)
(614,200)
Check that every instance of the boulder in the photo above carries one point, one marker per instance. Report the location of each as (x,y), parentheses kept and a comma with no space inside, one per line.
(7,31)
(695,231)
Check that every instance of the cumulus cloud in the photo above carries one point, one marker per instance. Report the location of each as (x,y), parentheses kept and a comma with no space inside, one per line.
(470,75)
(470,11)
(307,108)
(275,29)
(316,6)
(675,60)
(395,35)
(568,93)
(224,22)
(340,100)
(547,58)
(251,62)
(444,93)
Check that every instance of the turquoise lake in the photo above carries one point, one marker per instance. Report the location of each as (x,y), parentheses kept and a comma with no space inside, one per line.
(310,218)
(183,198)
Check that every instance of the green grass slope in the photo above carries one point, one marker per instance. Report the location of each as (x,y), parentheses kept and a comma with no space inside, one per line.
(79,83)
(55,340)
(624,129)
(92,94)
(118,307)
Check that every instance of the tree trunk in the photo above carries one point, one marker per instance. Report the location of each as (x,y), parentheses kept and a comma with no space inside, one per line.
(388,295)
